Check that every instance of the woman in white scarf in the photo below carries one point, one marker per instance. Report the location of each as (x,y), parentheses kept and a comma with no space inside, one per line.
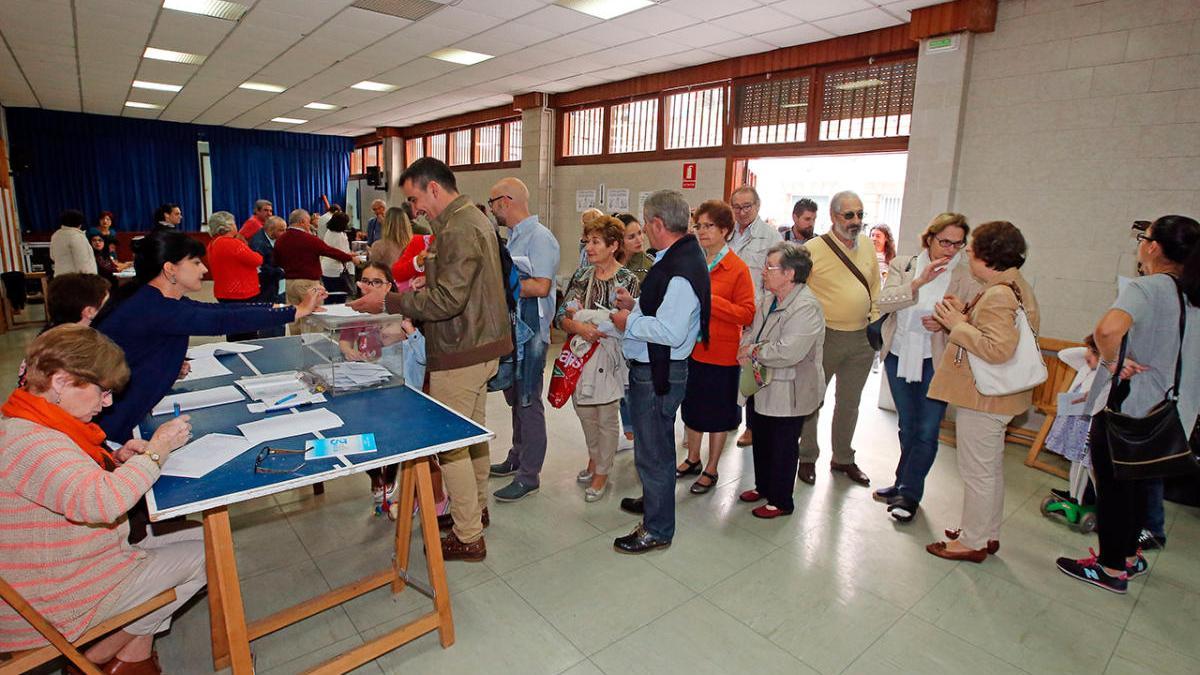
(913,343)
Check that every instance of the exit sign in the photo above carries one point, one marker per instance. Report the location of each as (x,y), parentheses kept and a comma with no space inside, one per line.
(947,43)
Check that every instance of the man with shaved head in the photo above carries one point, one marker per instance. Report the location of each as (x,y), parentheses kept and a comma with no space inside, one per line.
(535,251)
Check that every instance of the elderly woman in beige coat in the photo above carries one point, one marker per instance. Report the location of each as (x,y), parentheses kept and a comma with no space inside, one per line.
(986,328)
(913,343)
(782,351)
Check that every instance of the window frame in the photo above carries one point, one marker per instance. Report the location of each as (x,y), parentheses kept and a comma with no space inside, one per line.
(360,151)
(474,164)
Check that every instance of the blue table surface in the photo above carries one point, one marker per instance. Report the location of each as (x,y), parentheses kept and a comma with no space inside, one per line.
(404,422)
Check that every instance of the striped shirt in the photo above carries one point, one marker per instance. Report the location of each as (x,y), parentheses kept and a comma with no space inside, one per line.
(63,530)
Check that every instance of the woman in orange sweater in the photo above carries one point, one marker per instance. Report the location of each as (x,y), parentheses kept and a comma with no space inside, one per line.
(710,400)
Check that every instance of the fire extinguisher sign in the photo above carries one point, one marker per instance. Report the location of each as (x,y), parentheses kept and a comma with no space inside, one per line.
(689,175)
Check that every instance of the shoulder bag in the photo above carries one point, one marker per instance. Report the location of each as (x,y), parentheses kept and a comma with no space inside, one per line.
(874,328)
(1026,368)
(1153,446)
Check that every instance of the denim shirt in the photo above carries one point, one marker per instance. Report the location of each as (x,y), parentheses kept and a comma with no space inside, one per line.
(676,324)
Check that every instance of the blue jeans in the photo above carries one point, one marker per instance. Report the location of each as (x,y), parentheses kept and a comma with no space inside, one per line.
(1156,517)
(654,443)
(919,417)
(626,418)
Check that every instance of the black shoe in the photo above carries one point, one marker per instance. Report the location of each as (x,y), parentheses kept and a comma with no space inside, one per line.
(902,509)
(886,495)
(639,541)
(633,505)
(807,473)
(852,472)
(1089,571)
(1151,542)
(693,469)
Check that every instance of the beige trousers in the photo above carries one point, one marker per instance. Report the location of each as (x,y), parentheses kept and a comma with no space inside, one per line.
(601,427)
(176,561)
(980,440)
(848,357)
(294,290)
(465,470)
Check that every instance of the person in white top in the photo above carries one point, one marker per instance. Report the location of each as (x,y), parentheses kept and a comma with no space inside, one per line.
(69,247)
(332,270)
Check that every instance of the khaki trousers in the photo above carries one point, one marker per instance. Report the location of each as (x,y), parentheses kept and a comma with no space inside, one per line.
(176,561)
(980,440)
(465,470)
(848,357)
(294,291)
(601,427)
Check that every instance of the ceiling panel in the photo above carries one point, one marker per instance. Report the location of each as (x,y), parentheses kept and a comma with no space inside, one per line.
(858,22)
(710,9)
(654,20)
(795,35)
(811,10)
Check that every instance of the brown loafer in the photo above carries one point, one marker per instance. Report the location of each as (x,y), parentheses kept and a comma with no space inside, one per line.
(852,472)
(993,545)
(118,667)
(939,549)
(807,473)
(745,439)
(445,521)
(455,549)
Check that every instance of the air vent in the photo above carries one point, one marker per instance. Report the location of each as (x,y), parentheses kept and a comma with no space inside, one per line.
(413,10)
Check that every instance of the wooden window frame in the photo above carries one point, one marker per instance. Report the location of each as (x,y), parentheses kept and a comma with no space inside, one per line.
(474,164)
(378,144)
(658,132)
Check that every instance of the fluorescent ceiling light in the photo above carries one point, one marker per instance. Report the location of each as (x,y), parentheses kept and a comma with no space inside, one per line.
(230,11)
(156,86)
(858,84)
(259,86)
(466,58)
(321,106)
(145,106)
(288,120)
(604,9)
(177,57)
(373,86)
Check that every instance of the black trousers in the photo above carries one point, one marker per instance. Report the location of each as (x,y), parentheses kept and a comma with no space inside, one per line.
(776,455)
(1120,506)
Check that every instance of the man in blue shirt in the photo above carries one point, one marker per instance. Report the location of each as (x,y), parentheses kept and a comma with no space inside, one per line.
(660,329)
(375,225)
(535,252)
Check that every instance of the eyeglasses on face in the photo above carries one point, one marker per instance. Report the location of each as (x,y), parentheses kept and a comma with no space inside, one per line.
(742,207)
(493,200)
(772,268)
(949,243)
(375,283)
(1142,236)
(286,461)
(849,215)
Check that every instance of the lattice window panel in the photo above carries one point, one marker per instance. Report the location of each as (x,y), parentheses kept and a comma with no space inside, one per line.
(772,111)
(873,101)
(634,126)
(583,132)
(694,119)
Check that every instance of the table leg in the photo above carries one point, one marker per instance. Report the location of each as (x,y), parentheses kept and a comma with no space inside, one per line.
(216,609)
(219,538)
(433,552)
(404,521)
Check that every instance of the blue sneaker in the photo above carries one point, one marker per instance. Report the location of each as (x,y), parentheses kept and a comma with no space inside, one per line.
(514,491)
(1088,570)
(1138,568)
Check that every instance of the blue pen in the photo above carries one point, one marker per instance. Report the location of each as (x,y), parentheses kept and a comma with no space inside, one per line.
(285,399)
(176,410)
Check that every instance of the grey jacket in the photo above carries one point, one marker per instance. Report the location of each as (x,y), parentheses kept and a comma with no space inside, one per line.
(790,347)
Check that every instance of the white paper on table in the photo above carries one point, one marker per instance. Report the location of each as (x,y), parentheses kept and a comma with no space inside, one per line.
(216,348)
(204,454)
(1067,405)
(304,399)
(205,366)
(342,310)
(273,386)
(286,426)
(192,400)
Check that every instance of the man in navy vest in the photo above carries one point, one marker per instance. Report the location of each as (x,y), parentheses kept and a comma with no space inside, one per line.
(660,329)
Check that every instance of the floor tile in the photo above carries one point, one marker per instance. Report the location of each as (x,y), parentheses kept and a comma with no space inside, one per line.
(702,555)
(1168,615)
(696,638)
(529,530)
(339,526)
(324,654)
(1137,655)
(585,667)
(263,540)
(914,646)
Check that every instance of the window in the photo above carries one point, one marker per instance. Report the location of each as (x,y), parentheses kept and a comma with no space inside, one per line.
(694,118)
(460,147)
(634,126)
(356,163)
(513,141)
(367,155)
(487,144)
(436,146)
(583,132)
(872,101)
(414,149)
(772,111)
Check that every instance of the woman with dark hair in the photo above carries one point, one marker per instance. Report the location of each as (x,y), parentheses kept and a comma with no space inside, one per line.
(151,319)
(710,402)
(1147,315)
(106,265)
(333,271)
(633,251)
(107,231)
(985,327)
(885,247)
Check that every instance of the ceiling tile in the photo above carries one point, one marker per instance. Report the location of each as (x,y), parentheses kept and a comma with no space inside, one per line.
(796,35)
(761,20)
(191,33)
(901,9)
(702,35)
(810,10)
(859,22)
(654,20)
(507,9)
(740,47)
(710,9)
(558,19)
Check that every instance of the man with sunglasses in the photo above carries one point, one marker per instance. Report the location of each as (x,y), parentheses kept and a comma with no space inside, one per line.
(845,278)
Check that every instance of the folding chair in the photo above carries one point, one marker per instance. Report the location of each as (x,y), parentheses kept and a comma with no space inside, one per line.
(23,661)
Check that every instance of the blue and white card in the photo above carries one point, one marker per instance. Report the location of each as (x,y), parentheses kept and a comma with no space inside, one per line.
(321,448)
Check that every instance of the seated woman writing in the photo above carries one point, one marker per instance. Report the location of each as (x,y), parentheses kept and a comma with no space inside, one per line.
(63,504)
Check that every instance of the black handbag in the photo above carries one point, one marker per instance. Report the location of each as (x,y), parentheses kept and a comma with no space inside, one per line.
(1155,445)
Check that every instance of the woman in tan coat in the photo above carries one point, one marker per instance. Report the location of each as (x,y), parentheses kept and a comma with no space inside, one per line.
(986,328)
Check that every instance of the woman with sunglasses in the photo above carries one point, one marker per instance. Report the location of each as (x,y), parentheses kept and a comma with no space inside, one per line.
(63,503)
(913,342)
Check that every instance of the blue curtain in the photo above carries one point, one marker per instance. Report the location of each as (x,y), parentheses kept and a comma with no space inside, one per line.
(129,166)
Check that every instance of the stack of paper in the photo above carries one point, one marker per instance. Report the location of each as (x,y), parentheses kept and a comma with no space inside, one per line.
(352,374)
(193,400)
(204,454)
(217,348)
(285,426)
(285,402)
(204,367)
(273,386)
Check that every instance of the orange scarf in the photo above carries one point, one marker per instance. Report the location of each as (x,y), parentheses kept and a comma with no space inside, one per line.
(87,435)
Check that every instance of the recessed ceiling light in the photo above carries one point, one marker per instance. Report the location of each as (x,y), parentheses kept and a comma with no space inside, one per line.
(177,57)
(604,9)
(260,86)
(321,106)
(858,84)
(157,86)
(145,106)
(466,58)
(373,86)
(230,11)
(288,120)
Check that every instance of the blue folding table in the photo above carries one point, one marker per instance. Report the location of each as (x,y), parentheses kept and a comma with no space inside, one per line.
(409,429)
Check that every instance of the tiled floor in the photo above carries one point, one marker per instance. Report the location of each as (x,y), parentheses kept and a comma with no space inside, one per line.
(837,587)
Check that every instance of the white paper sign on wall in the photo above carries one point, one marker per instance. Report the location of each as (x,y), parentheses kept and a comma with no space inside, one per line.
(584,200)
(618,199)
(642,196)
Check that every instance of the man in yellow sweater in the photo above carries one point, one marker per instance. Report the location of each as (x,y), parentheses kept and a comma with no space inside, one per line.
(848,297)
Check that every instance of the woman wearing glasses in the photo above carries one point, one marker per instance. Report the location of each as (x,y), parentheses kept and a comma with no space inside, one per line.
(63,503)
(913,342)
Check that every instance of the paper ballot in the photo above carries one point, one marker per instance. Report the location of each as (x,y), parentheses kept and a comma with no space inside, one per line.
(204,454)
(342,310)
(205,367)
(286,426)
(301,399)
(217,348)
(273,386)
(193,400)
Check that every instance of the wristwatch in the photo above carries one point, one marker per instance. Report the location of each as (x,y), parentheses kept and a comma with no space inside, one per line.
(156,458)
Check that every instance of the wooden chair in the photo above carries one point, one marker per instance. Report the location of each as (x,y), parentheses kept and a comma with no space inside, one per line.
(24,661)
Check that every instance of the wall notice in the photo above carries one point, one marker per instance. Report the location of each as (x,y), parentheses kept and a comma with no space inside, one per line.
(618,199)
(584,200)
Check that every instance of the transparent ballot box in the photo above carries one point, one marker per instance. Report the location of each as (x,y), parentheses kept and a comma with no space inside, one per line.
(348,351)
